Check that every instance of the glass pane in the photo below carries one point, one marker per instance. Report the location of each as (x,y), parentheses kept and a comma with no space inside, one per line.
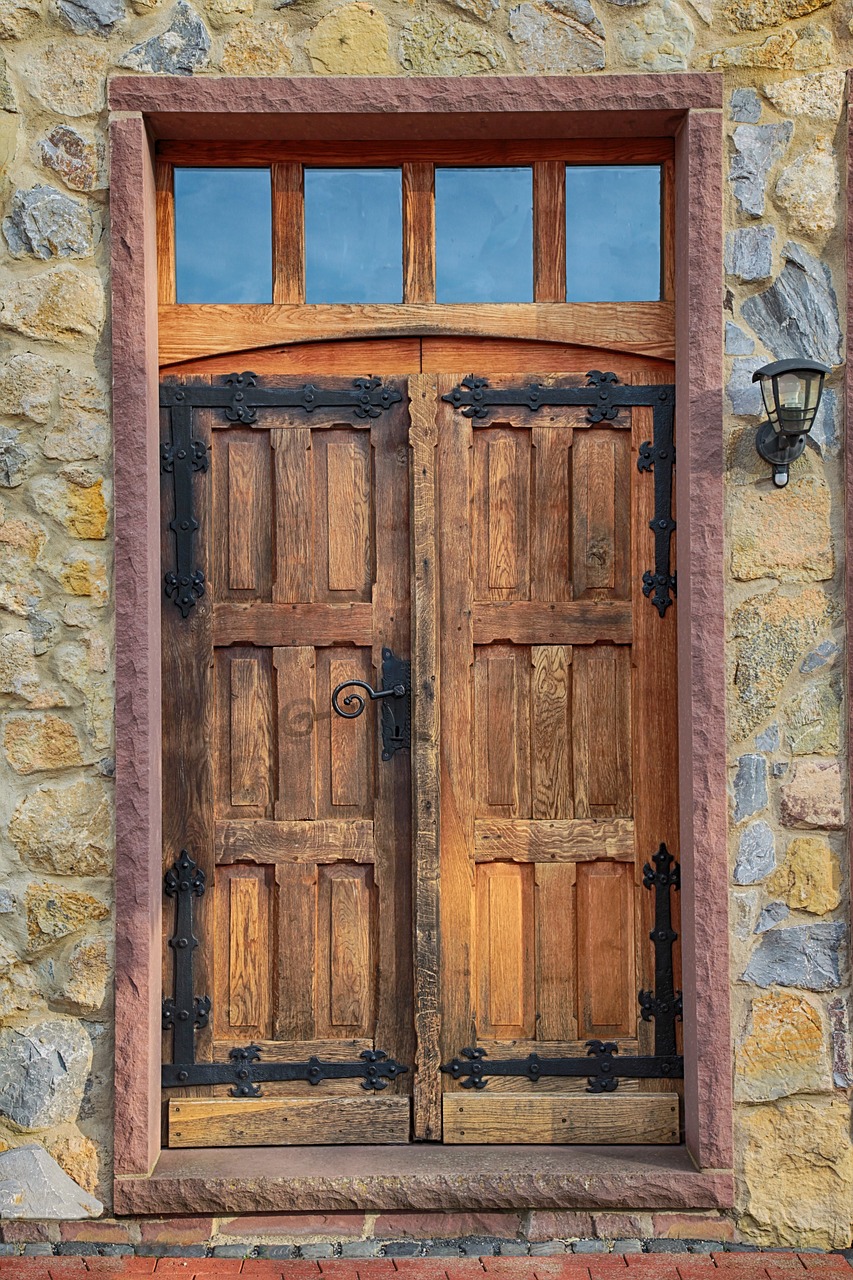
(484,235)
(223,235)
(353,235)
(613,231)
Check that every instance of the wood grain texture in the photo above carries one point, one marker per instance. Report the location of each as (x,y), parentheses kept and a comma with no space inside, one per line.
(251,1122)
(556,978)
(519,1118)
(426,788)
(191,331)
(537,623)
(297,946)
(281,624)
(482,151)
(346,952)
(295,670)
(272,842)
(549,231)
(241,482)
(294,510)
(601,501)
(550,732)
(164,178)
(606,986)
(243,953)
(250,737)
(566,840)
(505,974)
(418,232)
(288,233)
(551,532)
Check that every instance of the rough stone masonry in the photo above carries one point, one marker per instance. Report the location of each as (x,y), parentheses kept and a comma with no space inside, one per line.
(784,65)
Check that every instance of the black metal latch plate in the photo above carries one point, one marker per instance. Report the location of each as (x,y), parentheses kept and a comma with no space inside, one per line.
(396,695)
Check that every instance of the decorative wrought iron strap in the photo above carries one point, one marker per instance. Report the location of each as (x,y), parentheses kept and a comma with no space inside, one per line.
(184,1013)
(603,396)
(240,397)
(603,1066)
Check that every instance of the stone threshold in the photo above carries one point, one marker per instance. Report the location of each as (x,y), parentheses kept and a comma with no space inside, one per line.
(422,1177)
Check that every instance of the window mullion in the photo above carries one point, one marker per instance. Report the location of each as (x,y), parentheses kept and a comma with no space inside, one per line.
(288,232)
(549,231)
(419,232)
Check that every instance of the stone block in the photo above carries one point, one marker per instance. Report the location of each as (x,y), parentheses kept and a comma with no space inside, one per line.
(44,223)
(225,13)
(293,1226)
(798,315)
(430,45)
(557,36)
(27,387)
(96,16)
(790,541)
(69,77)
(783,1050)
(33,742)
(757,149)
(63,305)
(428,1226)
(18,18)
(808,190)
(839,1031)
(32,1185)
(74,157)
(749,786)
(806,956)
(77,1156)
(808,1200)
(693,1226)
(175,1231)
(351,40)
(184,46)
(792,49)
(749,253)
(745,106)
(44,1067)
(738,343)
(20,674)
(774,913)
(755,15)
(560,1225)
(813,797)
(819,96)
(813,716)
(84,980)
(658,37)
(256,49)
(810,877)
(80,508)
(54,912)
(743,394)
(825,652)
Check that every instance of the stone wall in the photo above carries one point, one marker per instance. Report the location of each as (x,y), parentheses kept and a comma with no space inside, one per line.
(783,63)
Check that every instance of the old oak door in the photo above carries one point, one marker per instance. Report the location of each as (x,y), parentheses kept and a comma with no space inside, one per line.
(543,760)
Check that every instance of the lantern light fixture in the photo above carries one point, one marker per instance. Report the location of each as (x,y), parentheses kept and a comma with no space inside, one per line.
(791,390)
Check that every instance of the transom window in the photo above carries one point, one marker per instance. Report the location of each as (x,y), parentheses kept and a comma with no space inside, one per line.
(528,223)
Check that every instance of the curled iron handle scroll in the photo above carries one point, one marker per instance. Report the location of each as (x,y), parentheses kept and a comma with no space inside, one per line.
(396,691)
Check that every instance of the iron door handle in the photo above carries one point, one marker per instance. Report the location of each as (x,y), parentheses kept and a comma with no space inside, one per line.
(396,720)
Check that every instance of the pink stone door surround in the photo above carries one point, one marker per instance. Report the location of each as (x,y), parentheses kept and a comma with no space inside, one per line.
(687,107)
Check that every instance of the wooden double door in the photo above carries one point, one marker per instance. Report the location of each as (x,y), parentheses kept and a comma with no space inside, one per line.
(483,890)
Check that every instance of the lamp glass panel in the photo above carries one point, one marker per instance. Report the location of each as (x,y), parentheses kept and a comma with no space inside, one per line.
(223,235)
(613,233)
(484,235)
(353,235)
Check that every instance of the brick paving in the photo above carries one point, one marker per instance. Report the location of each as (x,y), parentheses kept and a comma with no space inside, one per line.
(728,1265)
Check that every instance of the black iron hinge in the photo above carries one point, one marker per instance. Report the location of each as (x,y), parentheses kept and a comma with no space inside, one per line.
(603,396)
(603,1066)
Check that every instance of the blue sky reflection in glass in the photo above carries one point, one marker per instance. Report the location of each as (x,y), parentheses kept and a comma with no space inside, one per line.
(354,235)
(484,235)
(613,233)
(223,235)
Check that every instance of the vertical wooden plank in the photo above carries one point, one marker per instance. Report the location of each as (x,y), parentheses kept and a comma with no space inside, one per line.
(600,515)
(556,996)
(550,738)
(248,532)
(551,534)
(605,948)
(505,951)
(297,736)
(249,950)
(426,792)
(549,231)
(349,739)
(501,732)
(251,733)
(164,180)
(296,950)
(601,729)
(294,502)
(418,232)
(288,232)
(503,515)
(348,491)
(455,443)
(345,951)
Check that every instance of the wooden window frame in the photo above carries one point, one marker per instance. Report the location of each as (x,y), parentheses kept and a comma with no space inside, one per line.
(686,108)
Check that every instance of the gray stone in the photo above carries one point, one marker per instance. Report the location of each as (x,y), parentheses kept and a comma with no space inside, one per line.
(555,36)
(8,902)
(745,395)
(627,1246)
(819,657)
(750,786)
(33,1187)
(757,148)
(798,315)
(43,1072)
(749,253)
(99,16)
(590,1246)
(47,224)
(826,433)
(179,51)
(756,855)
(772,914)
(745,106)
(839,1034)
(738,343)
(13,460)
(805,956)
(769,739)
(658,37)
(779,769)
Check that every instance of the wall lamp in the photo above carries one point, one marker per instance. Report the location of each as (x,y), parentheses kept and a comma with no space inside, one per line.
(791,390)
